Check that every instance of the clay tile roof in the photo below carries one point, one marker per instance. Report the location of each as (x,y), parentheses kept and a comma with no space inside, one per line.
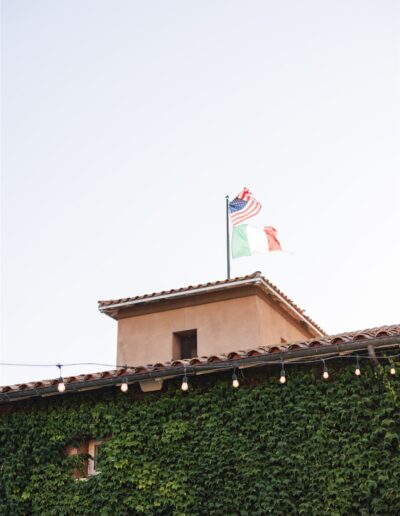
(178,363)
(140,369)
(109,302)
(383,333)
(194,361)
(159,365)
(297,345)
(106,306)
(325,341)
(274,349)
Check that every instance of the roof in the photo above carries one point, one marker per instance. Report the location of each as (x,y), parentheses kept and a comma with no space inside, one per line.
(111,307)
(380,337)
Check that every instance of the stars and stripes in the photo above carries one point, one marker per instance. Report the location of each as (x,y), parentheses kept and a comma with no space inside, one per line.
(243,207)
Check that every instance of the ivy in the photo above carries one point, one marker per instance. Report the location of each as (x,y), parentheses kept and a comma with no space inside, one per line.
(309,447)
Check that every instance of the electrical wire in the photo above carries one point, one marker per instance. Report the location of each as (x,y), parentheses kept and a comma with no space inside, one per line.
(71,364)
(222,365)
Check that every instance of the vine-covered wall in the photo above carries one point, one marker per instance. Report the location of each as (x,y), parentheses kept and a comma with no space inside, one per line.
(310,447)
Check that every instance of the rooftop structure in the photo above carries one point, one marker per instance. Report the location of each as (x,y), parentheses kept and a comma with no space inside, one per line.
(206,319)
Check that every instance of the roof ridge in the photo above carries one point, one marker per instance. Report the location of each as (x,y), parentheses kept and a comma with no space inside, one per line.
(180,289)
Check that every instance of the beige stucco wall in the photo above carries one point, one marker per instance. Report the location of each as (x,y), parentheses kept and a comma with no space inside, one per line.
(222,326)
(276,326)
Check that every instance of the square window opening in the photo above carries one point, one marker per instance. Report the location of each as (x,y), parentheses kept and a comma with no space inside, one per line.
(185,345)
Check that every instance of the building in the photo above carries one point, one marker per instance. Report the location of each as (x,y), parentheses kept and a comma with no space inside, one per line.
(278,417)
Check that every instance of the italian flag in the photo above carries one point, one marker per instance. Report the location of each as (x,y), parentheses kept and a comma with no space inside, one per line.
(248,240)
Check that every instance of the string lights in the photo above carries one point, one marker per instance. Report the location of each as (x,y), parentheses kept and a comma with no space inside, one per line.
(325,374)
(61,384)
(124,385)
(357,370)
(209,368)
(185,382)
(282,378)
(235,381)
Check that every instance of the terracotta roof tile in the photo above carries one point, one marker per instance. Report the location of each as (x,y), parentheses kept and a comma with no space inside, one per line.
(105,304)
(109,302)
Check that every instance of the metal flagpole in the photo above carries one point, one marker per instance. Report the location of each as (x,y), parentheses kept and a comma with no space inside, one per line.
(228,256)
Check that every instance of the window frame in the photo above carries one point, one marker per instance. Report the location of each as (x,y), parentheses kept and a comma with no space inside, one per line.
(93,446)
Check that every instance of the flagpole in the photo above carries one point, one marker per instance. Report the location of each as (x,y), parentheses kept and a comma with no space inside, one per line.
(228,256)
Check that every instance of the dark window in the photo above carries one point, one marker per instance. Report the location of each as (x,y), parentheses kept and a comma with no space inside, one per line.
(187,344)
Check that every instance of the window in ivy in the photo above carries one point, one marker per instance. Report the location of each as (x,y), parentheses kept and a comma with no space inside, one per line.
(94,457)
(89,450)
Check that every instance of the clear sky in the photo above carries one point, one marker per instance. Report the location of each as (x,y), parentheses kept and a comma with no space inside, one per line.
(124,125)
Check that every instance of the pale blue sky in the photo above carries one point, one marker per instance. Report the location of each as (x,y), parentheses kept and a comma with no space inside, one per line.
(125,124)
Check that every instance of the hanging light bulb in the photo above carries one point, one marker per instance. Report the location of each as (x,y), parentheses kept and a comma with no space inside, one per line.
(185,383)
(325,374)
(393,370)
(124,385)
(282,378)
(235,381)
(61,384)
(357,370)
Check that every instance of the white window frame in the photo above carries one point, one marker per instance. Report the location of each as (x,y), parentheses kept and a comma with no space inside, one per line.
(92,452)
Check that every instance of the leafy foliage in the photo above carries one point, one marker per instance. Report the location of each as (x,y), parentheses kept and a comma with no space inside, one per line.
(309,447)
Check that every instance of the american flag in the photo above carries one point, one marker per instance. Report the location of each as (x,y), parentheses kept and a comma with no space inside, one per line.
(243,207)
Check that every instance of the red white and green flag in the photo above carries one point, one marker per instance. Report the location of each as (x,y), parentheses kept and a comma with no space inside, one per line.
(248,240)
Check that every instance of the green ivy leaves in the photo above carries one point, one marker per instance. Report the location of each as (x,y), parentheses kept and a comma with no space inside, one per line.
(310,447)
